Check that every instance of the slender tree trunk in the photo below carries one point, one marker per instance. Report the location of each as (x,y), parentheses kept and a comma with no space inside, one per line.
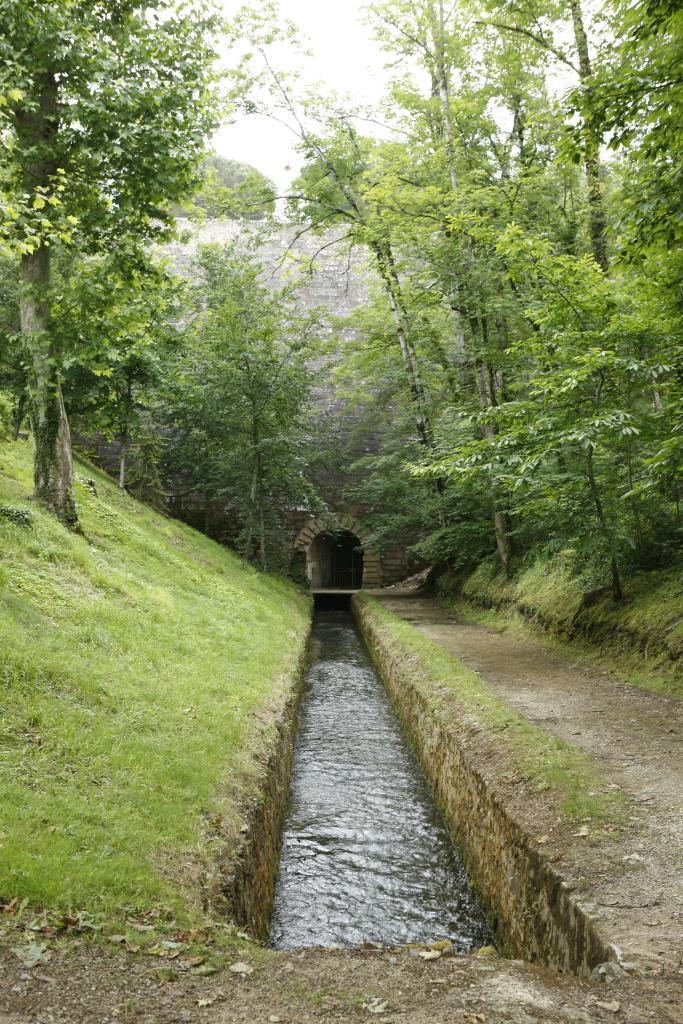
(411,364)
(256,492)
(19,416)
(125,431)
(253,492)
(634,504)
(596,208)
(499,524)
(262,529)
(122,463)
(443,86)
(617,589)
(53,469)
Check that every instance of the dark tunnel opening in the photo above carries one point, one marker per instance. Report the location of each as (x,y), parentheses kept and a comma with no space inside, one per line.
(335,561)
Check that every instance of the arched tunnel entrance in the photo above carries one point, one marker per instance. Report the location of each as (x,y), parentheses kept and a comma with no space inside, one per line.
(335,561)
(338,559)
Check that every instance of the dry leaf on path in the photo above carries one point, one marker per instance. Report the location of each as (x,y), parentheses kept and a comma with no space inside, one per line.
(34,953)
(376,1005)
(240,968)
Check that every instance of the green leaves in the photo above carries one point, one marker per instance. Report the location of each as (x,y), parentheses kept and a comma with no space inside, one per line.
(105,117)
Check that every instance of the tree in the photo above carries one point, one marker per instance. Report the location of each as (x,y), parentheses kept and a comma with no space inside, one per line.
(124,323)
(539,21)
(237,409)
(104,107)
(231,188)
(635,99)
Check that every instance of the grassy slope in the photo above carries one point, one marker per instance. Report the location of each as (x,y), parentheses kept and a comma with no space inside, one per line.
(136,669)
(644,635)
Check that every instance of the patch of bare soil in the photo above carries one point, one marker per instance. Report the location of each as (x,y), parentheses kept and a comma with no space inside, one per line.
(628,878)
(335,987)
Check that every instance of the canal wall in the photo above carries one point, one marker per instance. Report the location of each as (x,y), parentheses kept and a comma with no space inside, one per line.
(244,884)
(530,906)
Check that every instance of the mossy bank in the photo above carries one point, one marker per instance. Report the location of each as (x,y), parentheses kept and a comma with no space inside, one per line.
(644,632)
(146,675)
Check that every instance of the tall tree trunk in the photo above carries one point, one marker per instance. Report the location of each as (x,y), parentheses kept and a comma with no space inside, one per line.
(387,270)
(53,467)
(591,141)
(443,86)
(486,401)
(253,492)
(125,431)
(53,470)
(484,387)
(617,589)
(262,530)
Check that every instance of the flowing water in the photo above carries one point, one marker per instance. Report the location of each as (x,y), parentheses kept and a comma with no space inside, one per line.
(366,855)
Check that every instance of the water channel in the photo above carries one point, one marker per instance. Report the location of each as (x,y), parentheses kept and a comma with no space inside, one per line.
(366,854)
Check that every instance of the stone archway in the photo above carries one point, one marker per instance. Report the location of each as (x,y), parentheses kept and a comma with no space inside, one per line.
(305,544)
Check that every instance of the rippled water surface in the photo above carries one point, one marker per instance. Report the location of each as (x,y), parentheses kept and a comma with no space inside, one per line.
(366,853)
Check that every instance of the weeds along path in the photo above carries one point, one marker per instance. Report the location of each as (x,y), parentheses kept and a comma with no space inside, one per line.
(631,734)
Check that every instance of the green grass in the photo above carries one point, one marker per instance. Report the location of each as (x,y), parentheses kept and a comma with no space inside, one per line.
(137,667)
(545,761)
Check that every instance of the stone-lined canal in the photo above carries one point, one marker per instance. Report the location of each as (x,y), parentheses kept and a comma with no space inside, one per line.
(366,854)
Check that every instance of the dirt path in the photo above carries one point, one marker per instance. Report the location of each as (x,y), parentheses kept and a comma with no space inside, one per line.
(318,987)
(633,735)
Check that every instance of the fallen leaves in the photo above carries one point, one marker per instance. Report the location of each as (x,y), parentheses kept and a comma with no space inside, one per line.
(195,961)
(376,1005)
(160,949)
(33,954)
(204,970)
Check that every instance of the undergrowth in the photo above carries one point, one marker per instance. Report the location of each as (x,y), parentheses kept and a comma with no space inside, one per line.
(641,638)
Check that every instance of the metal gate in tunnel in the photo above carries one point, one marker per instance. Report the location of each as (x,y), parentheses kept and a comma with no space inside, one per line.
(335,561)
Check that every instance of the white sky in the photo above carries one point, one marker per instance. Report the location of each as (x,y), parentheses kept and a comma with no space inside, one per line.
(345,59)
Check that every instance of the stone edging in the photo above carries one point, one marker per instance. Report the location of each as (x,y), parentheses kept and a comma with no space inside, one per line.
(245,886)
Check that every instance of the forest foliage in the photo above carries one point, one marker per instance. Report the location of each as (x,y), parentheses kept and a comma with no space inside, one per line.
(520,214)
